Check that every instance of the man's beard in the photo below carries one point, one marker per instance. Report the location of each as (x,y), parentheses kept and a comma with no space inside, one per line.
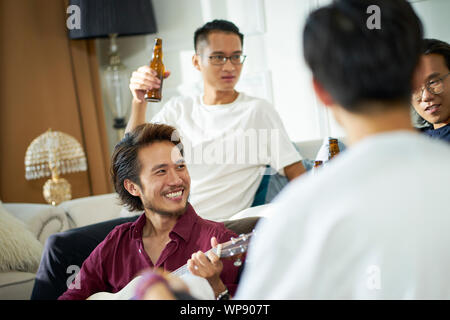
(150,206)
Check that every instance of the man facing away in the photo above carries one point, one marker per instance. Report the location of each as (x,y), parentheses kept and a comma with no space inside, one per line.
(150,174)
(432,99)
(374,223)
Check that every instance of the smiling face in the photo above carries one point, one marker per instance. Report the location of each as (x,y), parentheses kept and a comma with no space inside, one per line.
(219,77)
(434,108)
(164,179)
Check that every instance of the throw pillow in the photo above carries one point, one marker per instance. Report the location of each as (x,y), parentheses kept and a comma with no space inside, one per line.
(19,248)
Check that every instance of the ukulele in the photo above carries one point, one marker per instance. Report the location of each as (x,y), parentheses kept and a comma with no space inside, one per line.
(235,248)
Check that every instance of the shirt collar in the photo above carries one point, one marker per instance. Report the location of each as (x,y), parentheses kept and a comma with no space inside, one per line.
(183,228)
(185,224)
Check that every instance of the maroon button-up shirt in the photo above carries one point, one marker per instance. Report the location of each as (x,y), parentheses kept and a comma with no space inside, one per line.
(121,256)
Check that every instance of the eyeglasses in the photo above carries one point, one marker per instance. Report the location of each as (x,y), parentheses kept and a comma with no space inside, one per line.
(220,59)
(435,86)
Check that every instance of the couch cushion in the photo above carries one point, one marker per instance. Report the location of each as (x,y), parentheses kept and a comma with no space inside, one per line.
(16,285)
(20,250)
(93,209)
(241,226)
(41,219)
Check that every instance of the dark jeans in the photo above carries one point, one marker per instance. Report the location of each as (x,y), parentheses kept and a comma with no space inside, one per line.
(65,249)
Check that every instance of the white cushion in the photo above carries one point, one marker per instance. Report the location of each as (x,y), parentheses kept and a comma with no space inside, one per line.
(258,211)
(16,285)
(93,209)
(20,250)
(41,219)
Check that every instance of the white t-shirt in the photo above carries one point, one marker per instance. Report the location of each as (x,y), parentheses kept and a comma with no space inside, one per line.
(374,224)
(226,148)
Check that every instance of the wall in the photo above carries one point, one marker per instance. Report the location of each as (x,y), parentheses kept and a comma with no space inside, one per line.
(274,69)
(47,82)
(435,15)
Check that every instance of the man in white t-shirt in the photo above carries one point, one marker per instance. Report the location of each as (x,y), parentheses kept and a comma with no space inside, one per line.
(374,223)
(229,136)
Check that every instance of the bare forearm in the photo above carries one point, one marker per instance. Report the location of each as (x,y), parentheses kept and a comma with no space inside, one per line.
(217,285)
(294,170)
(137,117)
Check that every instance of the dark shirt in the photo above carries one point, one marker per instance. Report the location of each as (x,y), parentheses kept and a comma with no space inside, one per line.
(442,133)
(121,256)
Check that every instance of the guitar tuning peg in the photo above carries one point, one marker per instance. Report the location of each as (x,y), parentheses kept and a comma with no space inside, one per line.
(238,262)
(242,249)
(233,240)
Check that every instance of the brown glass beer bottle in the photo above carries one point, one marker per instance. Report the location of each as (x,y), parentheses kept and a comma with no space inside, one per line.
(317,163)
(333,148)
(156,64)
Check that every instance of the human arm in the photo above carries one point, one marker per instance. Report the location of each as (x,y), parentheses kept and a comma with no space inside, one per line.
(141,80)
(208,266)
(294,170)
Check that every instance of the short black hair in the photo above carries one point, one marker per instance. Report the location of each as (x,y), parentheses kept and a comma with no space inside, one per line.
(201,34)
(356,64)
(435,46)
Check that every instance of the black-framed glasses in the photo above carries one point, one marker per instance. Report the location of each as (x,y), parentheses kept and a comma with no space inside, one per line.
(220,59)
(435,86)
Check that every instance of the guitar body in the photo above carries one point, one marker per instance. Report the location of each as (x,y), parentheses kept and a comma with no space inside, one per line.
(125,294)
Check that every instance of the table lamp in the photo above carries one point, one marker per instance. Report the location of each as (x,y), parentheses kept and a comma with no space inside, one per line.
(114,18)
(51,154)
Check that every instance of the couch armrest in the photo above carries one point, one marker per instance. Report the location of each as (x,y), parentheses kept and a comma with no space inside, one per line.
(41,219)
(258,211)
(93,209)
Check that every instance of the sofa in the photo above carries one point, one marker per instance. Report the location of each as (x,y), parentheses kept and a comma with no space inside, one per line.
(41,220)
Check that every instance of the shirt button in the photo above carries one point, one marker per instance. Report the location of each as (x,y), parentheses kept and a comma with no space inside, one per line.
(140,251)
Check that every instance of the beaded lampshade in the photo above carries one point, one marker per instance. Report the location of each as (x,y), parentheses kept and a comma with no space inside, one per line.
(51,154)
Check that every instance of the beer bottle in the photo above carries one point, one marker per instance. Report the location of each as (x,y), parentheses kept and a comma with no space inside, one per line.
(333,148)
(317,163)
(156,64)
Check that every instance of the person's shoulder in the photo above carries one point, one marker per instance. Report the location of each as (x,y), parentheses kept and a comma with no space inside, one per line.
(255,102)
(178,103)
(214,228)
(118,234)
(262,110)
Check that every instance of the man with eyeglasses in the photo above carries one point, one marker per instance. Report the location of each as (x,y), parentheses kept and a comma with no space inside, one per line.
(432,100)
(217,119)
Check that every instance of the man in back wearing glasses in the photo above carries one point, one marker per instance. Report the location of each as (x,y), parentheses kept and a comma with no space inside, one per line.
(432,100)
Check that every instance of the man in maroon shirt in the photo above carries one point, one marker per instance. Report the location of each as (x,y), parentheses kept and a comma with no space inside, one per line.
(149,174)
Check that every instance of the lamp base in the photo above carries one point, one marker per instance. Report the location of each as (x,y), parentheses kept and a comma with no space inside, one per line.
(56,191)
(120,125)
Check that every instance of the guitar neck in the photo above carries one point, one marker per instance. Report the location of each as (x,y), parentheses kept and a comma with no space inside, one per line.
(181,271)
(234,247)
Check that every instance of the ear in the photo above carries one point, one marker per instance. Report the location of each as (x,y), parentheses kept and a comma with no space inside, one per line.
(132,187)
(322,94)
(196,61)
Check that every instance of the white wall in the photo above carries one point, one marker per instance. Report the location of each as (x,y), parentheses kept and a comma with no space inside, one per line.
(274,69)
(435,15)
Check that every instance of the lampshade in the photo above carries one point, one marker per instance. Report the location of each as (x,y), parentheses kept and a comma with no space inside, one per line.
(99,18)
(51,154)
